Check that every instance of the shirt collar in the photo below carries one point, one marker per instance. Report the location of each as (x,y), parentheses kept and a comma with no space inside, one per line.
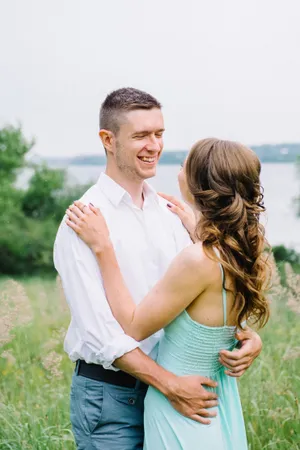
(149,192)
(115,193)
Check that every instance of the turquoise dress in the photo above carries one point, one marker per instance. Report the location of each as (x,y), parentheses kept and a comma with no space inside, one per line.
(189,348)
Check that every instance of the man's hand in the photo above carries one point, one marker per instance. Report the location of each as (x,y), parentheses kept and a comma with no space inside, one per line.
(238,361)
(188,396)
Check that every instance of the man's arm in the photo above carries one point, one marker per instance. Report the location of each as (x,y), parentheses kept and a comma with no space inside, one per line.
(186,393)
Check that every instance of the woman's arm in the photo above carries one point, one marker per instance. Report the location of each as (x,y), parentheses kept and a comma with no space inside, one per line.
(166,300)
(182,283)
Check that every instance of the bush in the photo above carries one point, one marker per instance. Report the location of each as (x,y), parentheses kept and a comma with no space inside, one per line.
(29,218)
(283,254)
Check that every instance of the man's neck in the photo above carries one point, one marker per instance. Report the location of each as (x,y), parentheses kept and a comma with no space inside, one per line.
(134,188)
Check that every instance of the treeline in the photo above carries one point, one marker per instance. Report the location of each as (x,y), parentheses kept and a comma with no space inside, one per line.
(278,152)
(29,218)
(266,153)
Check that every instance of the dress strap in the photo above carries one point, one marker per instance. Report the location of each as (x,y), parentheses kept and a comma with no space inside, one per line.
(224,293)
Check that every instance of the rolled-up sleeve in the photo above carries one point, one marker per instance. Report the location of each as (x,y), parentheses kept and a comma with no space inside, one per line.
(99,337)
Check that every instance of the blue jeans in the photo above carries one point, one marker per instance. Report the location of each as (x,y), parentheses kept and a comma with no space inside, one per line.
(105,416)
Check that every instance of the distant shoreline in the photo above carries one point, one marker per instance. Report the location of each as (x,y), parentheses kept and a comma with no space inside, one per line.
(175,163)
(279,153)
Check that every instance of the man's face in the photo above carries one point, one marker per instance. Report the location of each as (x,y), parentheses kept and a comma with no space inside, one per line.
(139,143)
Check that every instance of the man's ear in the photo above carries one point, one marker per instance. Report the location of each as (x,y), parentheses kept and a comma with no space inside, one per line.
(107,138)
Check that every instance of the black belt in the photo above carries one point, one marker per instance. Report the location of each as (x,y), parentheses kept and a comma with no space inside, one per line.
(98,373)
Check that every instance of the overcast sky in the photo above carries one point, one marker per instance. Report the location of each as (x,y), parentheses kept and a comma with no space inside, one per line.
(229,69)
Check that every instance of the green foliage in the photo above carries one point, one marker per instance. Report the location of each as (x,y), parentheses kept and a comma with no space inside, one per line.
(26,245)
(283,254)
(39,201)
(13,149)
(29,218)
(48,194)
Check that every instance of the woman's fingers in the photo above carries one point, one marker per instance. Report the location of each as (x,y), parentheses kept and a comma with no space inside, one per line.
(83,208)
(79,205)
(76,214)
(72,225)
(95,210)
(87,209)
(165,196)
(176,210)
(89,224)
(172,199)
(72,216)
(75,210)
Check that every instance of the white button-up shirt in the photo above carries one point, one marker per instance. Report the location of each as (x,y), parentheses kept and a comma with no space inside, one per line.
(145,241)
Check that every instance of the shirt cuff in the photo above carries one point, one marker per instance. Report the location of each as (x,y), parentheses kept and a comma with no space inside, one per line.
(115,349)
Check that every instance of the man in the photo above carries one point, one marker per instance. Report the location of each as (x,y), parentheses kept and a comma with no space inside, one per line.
(112,369)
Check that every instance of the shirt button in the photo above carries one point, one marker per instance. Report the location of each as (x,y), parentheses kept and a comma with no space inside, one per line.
(131,401)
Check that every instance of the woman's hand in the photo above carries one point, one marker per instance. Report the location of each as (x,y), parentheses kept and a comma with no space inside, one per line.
(90,225)
(183,211)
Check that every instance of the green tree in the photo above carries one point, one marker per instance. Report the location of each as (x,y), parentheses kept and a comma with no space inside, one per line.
(283,254)
(29,218)
(13,149)
(48,194)
(41,200)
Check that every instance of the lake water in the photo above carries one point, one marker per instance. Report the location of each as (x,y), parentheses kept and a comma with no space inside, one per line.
(280,182)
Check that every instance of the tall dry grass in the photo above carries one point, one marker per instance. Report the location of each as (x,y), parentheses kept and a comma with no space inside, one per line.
(35,373)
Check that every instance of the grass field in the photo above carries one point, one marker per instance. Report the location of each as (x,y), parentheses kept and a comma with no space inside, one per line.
(35,374)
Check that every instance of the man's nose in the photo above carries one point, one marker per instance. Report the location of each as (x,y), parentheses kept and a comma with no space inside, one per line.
(154,144)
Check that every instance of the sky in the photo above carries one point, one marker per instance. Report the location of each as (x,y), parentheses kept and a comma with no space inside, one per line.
(228,69)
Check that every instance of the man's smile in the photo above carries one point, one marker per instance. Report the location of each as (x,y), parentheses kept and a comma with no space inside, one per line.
(150,160)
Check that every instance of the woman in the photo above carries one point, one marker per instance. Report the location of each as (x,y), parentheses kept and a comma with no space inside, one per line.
(210,288)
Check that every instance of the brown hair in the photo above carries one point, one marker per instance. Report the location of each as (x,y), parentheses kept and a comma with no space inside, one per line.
(121,101)
(224,178)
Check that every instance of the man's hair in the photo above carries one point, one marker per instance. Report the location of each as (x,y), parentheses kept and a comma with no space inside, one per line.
(121,101)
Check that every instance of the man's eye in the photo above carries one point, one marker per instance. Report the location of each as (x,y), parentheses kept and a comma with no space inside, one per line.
(159,135)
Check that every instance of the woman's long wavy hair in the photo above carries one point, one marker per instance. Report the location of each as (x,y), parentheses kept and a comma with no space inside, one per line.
(224,179)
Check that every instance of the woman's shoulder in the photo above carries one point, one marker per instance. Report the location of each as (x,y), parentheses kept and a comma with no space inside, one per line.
(194,258)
